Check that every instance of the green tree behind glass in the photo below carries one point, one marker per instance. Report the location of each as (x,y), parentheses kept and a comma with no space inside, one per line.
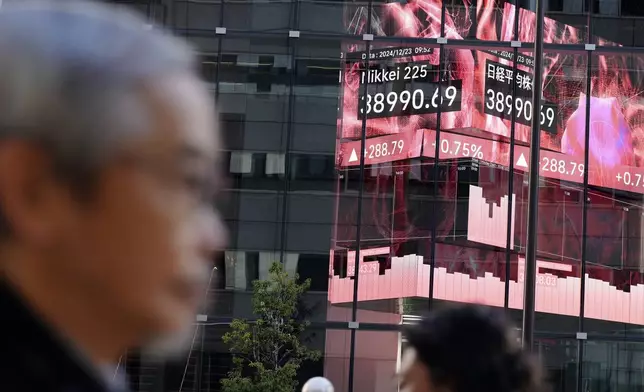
(268,352)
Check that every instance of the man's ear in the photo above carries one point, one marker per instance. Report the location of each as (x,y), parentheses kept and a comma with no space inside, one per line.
(26,192)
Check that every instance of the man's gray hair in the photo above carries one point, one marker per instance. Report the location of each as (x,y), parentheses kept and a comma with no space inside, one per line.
(69,71)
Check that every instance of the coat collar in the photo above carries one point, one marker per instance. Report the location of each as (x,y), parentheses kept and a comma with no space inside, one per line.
(37,352)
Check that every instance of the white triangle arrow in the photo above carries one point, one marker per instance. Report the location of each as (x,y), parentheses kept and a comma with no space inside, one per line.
(521,161)
(354,157)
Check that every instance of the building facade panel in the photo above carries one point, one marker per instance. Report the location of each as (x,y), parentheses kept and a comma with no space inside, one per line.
(438,210)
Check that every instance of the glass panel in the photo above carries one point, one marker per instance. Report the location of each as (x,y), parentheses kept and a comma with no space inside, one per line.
(471,220)
(559,240)
(572,15)
(332,17)
(197,16)
(210,64)
(483,19)
(149,9)
(336,358)
(201,367)
(316,94)
(343,240)
(617,22)
(376,364)
(559,359)
(490,20)
(416,19)
(254,105)
(615,279)
(399,88)
(613,366)
(248,15)
(312,175)
(559,27)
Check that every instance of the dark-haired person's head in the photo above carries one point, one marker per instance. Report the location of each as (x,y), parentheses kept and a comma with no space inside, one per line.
(108,150)
(466,349)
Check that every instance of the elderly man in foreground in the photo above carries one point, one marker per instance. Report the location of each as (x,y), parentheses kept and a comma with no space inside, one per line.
(107,172)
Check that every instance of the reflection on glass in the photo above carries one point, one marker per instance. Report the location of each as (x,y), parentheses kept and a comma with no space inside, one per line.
(614,284)
(613,366)
(559,359)
(196,16)
(618,21)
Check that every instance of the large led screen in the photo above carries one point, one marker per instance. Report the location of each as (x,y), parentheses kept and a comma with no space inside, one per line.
(477,93)
(396,91)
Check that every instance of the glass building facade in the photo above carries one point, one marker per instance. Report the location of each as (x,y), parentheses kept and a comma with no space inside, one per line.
(401,129)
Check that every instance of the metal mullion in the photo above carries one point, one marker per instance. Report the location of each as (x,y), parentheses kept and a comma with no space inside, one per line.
(433,228)
(361,176)
(292,50)
(533,185)
(219,45)
(509,246)
(584,227)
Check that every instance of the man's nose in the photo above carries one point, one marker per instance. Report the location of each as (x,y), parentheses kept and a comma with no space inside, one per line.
(212,233)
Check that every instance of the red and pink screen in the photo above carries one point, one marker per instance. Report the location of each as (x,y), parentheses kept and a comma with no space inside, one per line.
(479,93)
